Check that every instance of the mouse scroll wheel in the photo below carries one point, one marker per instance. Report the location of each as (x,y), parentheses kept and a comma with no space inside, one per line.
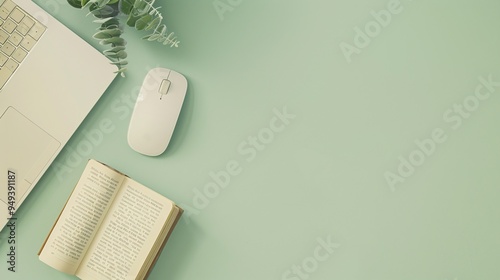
(165,85)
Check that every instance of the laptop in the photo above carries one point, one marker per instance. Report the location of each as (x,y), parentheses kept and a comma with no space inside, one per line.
(49,81)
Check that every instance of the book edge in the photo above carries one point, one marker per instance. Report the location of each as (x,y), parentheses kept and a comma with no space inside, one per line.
(174,224)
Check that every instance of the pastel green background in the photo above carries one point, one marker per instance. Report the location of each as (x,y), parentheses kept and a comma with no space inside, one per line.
(323,175)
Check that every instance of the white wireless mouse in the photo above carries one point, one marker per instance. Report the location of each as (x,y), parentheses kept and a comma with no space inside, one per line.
(156,111)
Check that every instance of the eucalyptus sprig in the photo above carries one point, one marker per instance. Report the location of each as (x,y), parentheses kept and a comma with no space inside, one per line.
(139,14)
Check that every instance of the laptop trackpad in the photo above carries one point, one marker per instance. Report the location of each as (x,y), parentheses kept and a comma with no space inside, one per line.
(24,148)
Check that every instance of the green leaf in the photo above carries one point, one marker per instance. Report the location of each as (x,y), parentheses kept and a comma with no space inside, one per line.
(114,50)
(126,6)
(121,71)
(110,24)
(152,24)
(141,7)
(101,36)
(114,41)
(140,14)
(107,33)
(88,3)
(132,19)
(120,63)
(103,12)
(75,3)
(103,20)
(141,23)
(102,3)
(118,55)
(153,37)
(140,4)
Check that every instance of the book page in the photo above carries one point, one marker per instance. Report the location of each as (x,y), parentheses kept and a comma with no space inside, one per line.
(127,235)
(81,217)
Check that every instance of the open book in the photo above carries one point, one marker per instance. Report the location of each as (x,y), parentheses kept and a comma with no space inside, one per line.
(111,227)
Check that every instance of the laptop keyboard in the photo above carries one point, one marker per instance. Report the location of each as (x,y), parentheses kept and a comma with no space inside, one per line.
(19,32)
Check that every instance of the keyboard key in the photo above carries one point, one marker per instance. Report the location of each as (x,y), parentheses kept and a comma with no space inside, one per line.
(8,48)
(37,31)
(19,54)
(11,65)
(5,74)
(17,15)
(3,59)
(22,28)
(3,36)
(9,25)
(19,33)
(28,22)
(9,5)
(15,38)
(4,13)
(28,43)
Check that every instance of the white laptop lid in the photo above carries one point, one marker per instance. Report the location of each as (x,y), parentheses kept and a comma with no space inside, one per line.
(45,101)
